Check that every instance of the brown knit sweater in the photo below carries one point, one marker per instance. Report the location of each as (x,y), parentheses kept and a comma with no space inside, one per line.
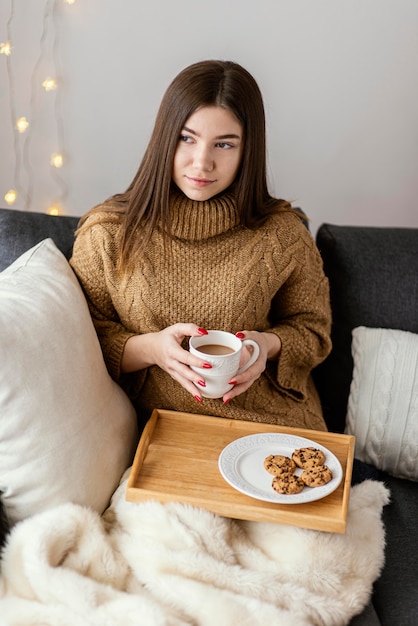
(217,275)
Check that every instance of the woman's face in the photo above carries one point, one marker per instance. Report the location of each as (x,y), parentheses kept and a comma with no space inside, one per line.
(209,153)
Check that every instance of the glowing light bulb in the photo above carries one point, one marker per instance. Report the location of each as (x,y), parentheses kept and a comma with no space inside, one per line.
(10,196)
(22,124)
(54,209)
(49,84)
(69,1)
(57,160)
(6,48)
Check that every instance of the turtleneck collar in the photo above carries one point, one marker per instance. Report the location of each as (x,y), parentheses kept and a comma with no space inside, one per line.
(194,220)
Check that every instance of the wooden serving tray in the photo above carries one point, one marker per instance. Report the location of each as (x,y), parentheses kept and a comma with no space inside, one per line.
(177,461)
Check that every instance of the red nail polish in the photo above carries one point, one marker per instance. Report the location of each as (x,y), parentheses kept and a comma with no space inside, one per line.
(240,335)
(198,398)
(225,401)
(201,383)
(207,366)
(202,331)
(232,382)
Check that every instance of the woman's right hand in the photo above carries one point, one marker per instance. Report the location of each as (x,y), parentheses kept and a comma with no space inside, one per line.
(164,349)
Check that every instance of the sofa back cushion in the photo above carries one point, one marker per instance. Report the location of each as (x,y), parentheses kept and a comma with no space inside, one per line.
(20,230)
(373,274)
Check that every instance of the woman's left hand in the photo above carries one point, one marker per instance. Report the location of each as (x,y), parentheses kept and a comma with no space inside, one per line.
(270,346)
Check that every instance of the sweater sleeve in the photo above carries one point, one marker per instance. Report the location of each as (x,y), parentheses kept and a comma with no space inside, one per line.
(301,317)
(94,261)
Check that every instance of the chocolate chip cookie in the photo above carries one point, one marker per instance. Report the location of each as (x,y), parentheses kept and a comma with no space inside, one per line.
(278,464)
(305,457)
(287,484)
(316,475)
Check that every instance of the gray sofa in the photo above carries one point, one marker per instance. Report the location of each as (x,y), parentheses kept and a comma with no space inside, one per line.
(373,276)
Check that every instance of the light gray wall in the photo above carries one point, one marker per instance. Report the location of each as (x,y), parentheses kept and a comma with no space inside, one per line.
(339,79)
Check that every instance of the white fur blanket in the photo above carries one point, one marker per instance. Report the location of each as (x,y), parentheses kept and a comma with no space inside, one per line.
(150,564)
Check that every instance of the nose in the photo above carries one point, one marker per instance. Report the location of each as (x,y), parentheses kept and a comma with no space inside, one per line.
(203,159)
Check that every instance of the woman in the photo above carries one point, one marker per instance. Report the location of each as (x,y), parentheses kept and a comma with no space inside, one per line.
(197,242)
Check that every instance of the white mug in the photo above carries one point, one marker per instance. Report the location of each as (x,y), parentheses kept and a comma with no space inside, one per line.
(223,351)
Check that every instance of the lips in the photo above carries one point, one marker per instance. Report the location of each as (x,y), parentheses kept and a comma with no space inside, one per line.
(199,182)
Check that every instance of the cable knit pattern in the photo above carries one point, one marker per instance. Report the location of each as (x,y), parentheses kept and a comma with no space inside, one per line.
(219,275)
(383,402)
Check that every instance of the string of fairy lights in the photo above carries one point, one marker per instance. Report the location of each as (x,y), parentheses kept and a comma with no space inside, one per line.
(24,126)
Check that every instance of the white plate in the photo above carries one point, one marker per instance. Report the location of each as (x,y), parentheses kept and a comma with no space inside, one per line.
(241,463)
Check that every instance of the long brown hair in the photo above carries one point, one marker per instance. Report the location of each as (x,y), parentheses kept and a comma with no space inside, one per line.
(145,204)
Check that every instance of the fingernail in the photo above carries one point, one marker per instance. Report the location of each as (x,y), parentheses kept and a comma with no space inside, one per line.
(232,382)
(201,383)
(202,331)
(207,366)
(226,401)
(198,398)
(240,335)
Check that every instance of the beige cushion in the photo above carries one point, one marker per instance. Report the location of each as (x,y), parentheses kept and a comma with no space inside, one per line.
(67,430)
(383,402)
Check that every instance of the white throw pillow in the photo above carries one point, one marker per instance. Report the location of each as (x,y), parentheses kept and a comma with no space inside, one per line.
(67,430)
(383,401)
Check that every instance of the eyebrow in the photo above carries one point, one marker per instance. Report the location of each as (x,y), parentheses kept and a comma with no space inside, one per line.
(229,136)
